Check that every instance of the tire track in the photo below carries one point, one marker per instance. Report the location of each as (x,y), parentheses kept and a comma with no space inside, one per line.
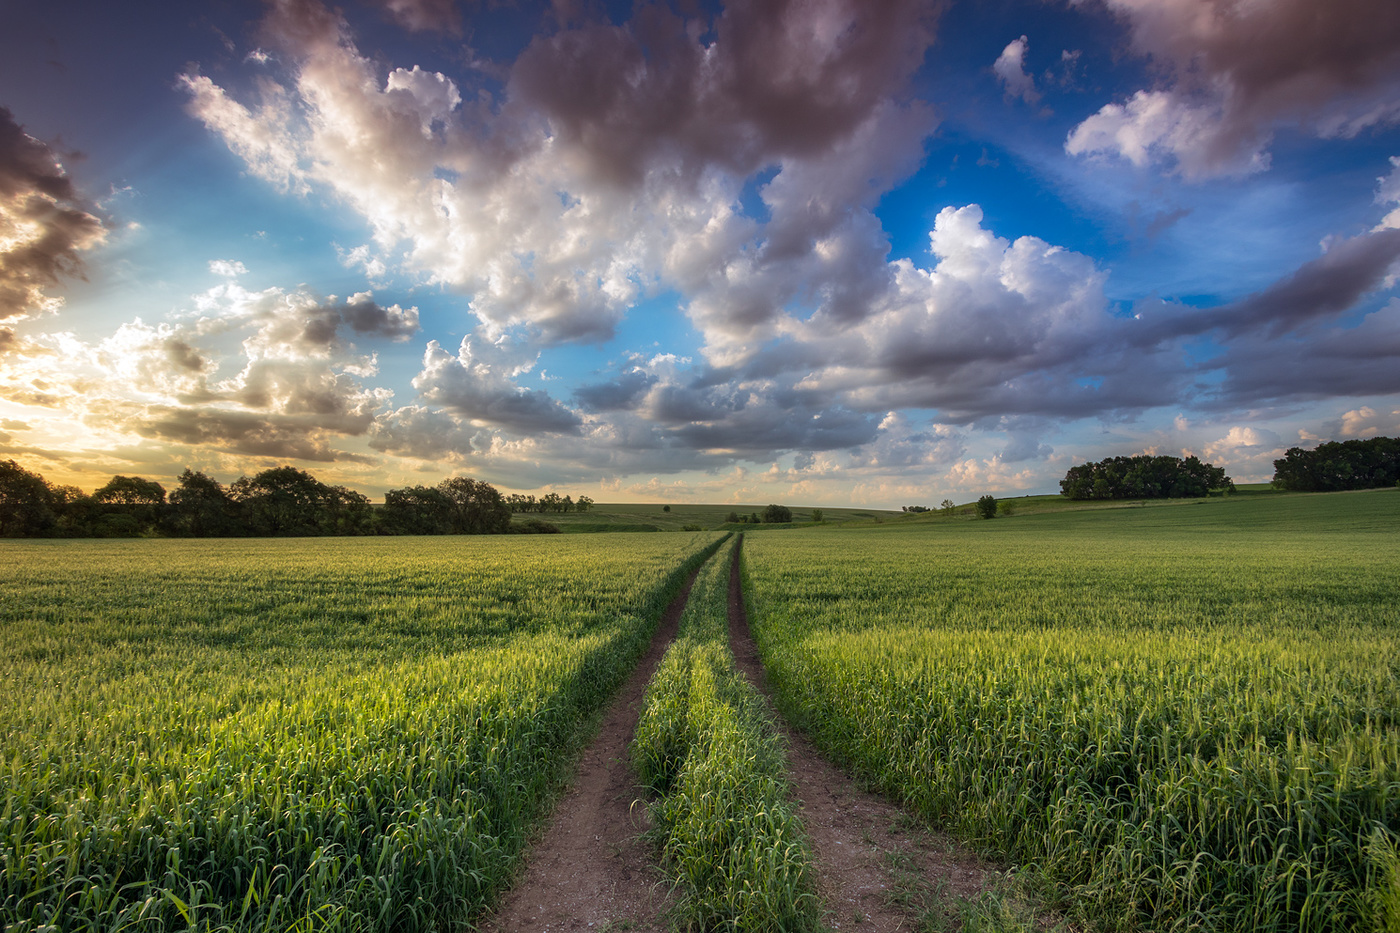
(876,866)
(592,869)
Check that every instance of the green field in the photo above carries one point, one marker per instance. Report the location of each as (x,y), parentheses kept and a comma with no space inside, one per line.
(653,517)
(299,734)
(1181,716)
(1168,716)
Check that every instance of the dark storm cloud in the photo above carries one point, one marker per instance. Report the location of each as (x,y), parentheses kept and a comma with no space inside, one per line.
(41,217)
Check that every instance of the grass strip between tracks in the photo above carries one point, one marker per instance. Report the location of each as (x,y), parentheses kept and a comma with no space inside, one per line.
(708,751)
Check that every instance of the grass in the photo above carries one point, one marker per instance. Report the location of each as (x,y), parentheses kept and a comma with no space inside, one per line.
(1185,717)
(707,750)
(276,735)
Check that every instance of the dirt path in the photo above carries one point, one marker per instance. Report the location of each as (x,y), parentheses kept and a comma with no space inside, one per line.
(878,870)
(592,871)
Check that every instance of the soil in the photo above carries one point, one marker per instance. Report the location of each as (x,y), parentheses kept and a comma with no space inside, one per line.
(878,869)
(592,869)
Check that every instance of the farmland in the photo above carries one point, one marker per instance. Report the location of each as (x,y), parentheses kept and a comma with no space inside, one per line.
(1179,718)
(1169,717)
(338,734)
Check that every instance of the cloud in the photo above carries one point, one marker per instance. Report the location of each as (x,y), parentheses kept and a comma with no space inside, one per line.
(424,15)
(1315,364)
(1233,73)
(614,163)
(1367,422)
(259,137)
(1324,287)
(44,228)
(421,433)
(623,393)
(301,324)
(240,431)
(1388,192)
(227,268)
(1010,69)
(266,373)
(474,384)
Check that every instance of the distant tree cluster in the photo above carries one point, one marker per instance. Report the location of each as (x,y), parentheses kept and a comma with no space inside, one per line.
(1338,465)
(914,508)
(777,515)
(1143,477)
(280,502)
(549,502)
(772,515)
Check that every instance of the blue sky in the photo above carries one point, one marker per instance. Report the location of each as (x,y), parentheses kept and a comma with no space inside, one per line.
(818,252)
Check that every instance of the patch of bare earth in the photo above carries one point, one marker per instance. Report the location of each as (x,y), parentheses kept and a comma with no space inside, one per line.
(592,870)
(877,868)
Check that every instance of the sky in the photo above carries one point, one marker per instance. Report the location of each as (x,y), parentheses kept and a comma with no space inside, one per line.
(816,252)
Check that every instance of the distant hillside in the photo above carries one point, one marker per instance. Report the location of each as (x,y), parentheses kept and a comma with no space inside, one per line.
(607,516)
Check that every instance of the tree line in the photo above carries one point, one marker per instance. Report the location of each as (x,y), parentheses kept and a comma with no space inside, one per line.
(1144,477)
(1338,465)
(279,502)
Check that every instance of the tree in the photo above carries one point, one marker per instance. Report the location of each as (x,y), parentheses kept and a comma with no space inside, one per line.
(665,508)
(583,504)
(987,507)
(131,505)
(27,505)
(200,508)
(1143,477)
(476,508)
(947,506)
(1356,464)
(818,515)
(777,514)
(285,501)
(732,517)
(416,510)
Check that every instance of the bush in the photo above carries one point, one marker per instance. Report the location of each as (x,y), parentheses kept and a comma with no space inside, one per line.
(987,507)
(818,515)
